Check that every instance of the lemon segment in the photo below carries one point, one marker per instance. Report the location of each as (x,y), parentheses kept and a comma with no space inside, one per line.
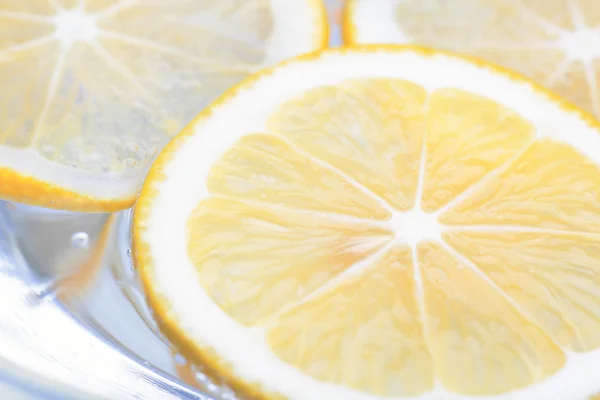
(258,260)
(331,123)
(467,137)
(551,185)
(21,100)
(15,7)
(266,169)
(19,35)
(381,349)
(554,277)
(479,335)
(249,27)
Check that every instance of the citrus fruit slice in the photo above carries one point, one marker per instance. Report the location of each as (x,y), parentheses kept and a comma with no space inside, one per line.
(381,222)
(92,89)
(555,42)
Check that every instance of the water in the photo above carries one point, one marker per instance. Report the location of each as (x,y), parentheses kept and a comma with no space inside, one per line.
(84,261)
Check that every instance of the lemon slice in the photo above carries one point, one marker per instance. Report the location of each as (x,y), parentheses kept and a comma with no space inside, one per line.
(555,42)
(381,222)
(92,89)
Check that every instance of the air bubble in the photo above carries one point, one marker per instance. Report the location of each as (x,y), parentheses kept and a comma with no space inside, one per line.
(212,387)
(81,240)
(200,377)
(179,359)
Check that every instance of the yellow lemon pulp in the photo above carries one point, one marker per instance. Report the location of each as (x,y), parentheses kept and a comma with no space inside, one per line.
(387,240)
(93,89)
(555,42)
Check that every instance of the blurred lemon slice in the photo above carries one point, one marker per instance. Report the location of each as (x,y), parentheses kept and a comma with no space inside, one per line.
(555,42)
(92,89)
(383,222)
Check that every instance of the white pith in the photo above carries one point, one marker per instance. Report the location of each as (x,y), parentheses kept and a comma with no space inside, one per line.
(298,28)
(172,275)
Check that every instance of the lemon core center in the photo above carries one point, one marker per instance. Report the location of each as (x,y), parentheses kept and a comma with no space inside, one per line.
(75,26)
(414,226)
(582,44)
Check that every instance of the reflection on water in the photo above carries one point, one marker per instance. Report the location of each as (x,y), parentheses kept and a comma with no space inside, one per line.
(59,246)
(84,260)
